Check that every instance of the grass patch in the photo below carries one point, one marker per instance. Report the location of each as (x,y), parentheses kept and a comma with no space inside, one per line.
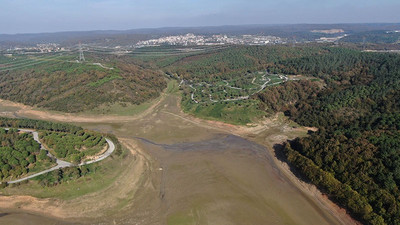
(128,109)
(239,113)
(180,218)
(121,109)
(172,87)
(104,80)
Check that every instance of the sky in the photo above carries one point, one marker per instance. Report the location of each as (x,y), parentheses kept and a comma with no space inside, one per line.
(36,16)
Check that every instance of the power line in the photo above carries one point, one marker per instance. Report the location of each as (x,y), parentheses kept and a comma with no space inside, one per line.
(32,61)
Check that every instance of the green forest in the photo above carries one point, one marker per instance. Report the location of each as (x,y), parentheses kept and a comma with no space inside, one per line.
(20,154)
(354,156)
(73,147)
(66,174)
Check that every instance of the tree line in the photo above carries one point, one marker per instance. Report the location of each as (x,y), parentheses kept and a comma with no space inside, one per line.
(355,154)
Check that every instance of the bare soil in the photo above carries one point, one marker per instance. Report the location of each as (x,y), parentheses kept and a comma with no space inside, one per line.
(185,170)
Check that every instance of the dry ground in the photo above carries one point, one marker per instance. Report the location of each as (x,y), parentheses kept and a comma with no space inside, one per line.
(186,171)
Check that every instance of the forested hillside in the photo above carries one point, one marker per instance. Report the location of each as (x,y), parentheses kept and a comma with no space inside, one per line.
(355,155)
(232,61)
(284,97)
(237,66)
(64,85)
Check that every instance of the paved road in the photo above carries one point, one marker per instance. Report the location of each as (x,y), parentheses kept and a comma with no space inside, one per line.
(61,163)
(262,87)
(111,148)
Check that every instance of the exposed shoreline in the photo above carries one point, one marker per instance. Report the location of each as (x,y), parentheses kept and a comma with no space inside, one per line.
(245,132)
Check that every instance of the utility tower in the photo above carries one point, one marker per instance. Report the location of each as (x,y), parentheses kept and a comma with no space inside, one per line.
(81,56)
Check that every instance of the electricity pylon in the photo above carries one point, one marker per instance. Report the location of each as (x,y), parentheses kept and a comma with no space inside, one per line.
(81,56)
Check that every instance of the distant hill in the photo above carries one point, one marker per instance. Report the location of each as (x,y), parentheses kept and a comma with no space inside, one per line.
(375,36)
(121,37)
(111,38)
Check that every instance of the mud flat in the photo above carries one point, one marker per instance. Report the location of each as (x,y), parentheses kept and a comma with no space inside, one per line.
(229,180)
(183,170)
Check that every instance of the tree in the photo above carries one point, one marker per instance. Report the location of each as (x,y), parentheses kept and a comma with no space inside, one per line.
(42,154)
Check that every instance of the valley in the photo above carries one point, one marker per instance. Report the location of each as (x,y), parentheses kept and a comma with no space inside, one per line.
(237,130)
(180,170)
(199,112)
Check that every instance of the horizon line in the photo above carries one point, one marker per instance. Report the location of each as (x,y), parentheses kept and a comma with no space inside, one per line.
(187,27)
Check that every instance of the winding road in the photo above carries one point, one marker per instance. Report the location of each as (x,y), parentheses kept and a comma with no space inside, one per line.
(61,163)
(262,87)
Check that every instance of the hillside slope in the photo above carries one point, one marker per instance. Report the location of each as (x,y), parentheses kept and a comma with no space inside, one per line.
(67,86)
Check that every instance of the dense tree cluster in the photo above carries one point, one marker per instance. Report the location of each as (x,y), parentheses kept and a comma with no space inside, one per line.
(355,154)
(59,176)
(284,97)
(73,147)
(19,153)
(338,191)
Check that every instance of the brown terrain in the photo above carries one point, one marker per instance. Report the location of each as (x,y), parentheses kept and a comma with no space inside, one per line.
(178,170)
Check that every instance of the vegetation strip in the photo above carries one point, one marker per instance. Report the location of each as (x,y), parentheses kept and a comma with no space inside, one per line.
(61,163)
